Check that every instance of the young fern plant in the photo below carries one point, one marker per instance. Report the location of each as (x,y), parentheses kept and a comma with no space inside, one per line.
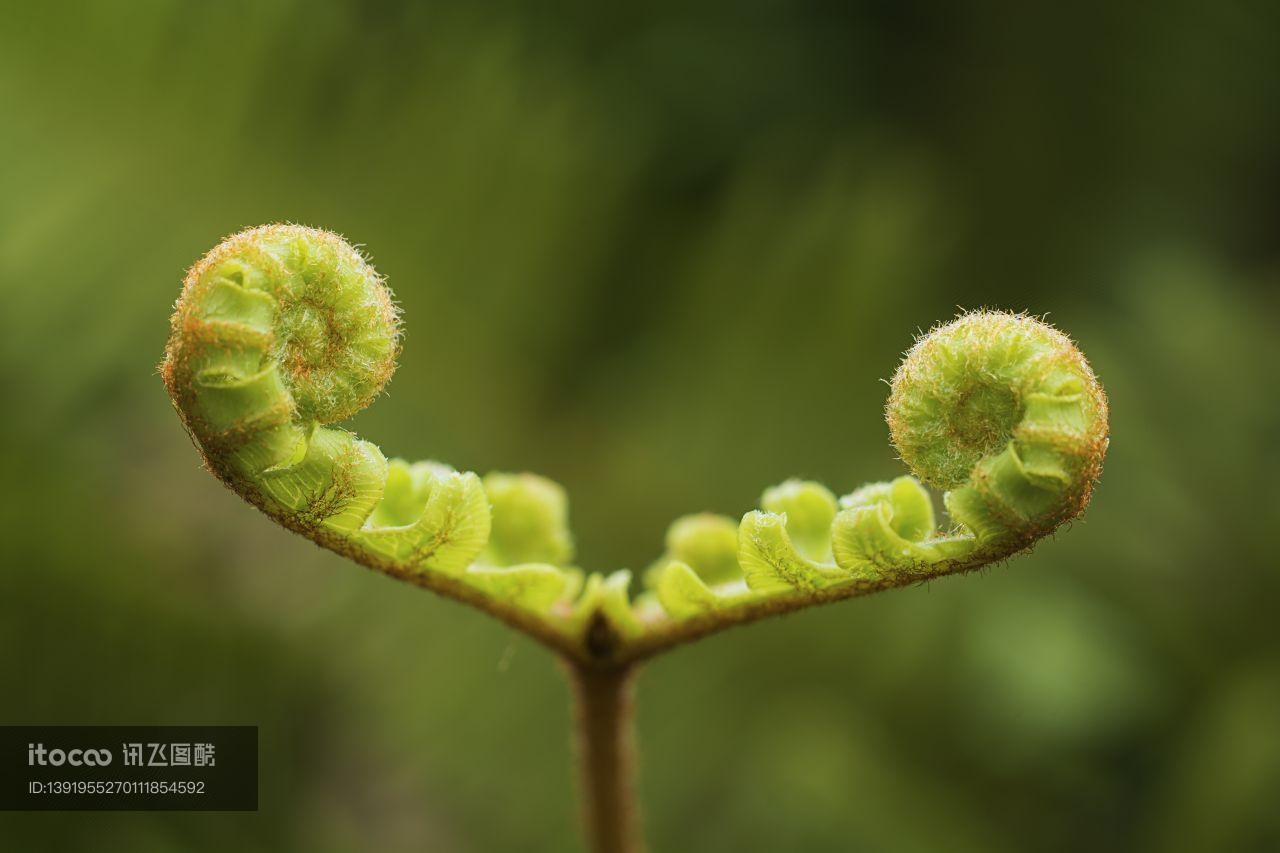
(282,331)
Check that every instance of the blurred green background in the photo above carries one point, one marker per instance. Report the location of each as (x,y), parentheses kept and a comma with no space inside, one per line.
(664,253)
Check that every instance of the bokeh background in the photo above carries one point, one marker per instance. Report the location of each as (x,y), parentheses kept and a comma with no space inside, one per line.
(664,253)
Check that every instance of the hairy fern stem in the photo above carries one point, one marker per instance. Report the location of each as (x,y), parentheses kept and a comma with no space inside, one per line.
(605,752)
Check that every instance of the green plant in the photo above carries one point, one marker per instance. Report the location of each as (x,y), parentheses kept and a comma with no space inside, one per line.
(282,330)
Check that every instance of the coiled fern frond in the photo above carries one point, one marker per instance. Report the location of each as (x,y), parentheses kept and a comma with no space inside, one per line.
(282,331)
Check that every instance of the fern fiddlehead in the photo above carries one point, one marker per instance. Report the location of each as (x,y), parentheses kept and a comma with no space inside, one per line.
(283,330)
(1000,410)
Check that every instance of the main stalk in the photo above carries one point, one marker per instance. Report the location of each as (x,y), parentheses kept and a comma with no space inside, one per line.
(606,756)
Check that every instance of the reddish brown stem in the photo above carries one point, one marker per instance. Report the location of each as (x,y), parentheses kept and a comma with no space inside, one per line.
(606,757)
